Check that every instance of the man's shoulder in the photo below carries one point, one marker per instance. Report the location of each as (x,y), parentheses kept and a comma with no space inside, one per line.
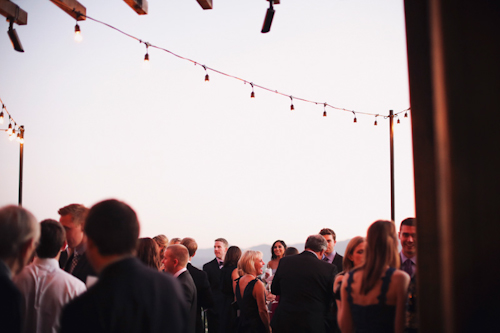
(211,264)
(196,272)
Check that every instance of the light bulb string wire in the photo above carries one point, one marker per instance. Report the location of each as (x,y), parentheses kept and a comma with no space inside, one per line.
(254,85)
(11,119)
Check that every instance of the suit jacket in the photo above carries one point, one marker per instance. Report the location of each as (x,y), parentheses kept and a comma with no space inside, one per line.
(82,268)
(305,286)
(338,261)
(189,289)
(128,297)
(204,294)
(11,303)
(213,272)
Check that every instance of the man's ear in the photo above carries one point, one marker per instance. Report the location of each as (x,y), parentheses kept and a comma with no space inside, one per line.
(64,246)
(321,253)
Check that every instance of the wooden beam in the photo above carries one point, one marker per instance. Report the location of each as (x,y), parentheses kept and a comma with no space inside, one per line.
(72,8)
(11,10)
(139,6)
(205,4)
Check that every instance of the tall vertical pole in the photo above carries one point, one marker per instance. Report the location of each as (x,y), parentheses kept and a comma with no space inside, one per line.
(391,122)
(21,128)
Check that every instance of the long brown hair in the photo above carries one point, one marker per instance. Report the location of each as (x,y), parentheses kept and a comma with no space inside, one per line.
(381,250)
(347,263)
(148,252)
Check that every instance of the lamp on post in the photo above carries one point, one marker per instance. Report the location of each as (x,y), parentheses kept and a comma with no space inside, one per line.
(21,153)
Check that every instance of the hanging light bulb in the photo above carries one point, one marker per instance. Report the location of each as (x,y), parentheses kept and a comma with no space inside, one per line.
(207,78)
(375,121)
(9,130)
(146,56)
(406,114)
(12,135)
(19,136)
(324,112)
(1,117)
(355,119)
(252,95)
(78,33)
(291,103)
(398,121)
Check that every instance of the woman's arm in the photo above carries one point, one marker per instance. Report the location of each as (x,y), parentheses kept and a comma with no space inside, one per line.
(336,286)
(234,276)
(344,316)
(259,293)
(401,283)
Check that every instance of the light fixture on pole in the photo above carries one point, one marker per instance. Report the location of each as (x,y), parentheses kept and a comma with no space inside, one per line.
(14,38)
(268,20)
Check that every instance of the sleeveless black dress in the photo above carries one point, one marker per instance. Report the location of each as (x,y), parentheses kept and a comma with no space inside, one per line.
(374,318)
(249,321)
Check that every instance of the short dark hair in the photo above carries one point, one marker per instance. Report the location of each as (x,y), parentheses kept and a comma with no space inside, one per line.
(290,251)
(113,227)
(328,231)
(409,221)
(190,244)
(78,212)
(316,243)
(222,240)
(52,238)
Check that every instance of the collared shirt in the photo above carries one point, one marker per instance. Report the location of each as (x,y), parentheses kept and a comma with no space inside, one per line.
(180,272)
(46,289)
(220,262)
(330,257)
(413,263)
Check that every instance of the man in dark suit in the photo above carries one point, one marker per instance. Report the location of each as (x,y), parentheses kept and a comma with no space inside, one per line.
(305,285)
(200,278)
(19,233)
(175,262)
(407,237)
(212,269)
(74,260)
(331,256)
(128,297)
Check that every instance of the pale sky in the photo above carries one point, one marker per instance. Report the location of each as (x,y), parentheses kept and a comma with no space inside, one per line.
(203,159)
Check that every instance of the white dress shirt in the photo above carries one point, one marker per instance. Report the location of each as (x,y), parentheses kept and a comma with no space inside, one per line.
(46,289)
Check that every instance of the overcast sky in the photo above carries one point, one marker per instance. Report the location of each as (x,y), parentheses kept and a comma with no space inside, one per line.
(203,159)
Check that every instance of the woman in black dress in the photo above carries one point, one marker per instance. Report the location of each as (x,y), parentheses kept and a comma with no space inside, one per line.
(228,273)
(251,294)
(373,295)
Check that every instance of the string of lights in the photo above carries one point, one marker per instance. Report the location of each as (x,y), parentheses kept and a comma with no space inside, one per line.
(253,85)
(14,131)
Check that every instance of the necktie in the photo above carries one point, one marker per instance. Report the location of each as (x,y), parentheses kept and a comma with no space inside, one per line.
(221,263)
(74,262)
(326,259)
(407,267)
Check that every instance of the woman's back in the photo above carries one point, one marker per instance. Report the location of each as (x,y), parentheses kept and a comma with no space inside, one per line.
(249,320)
(376,311)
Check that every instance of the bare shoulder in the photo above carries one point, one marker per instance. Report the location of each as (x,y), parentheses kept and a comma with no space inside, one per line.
(401,278)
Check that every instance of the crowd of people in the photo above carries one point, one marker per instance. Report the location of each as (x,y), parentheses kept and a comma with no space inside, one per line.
(90,272)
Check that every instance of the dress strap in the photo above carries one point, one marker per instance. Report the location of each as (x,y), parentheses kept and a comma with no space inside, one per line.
(382,298)
(237,290)
(349,282)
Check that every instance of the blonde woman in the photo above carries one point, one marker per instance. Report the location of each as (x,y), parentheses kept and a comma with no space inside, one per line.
(373,296)
(251,295)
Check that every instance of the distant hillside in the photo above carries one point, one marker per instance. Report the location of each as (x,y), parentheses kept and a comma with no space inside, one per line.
(205,255)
